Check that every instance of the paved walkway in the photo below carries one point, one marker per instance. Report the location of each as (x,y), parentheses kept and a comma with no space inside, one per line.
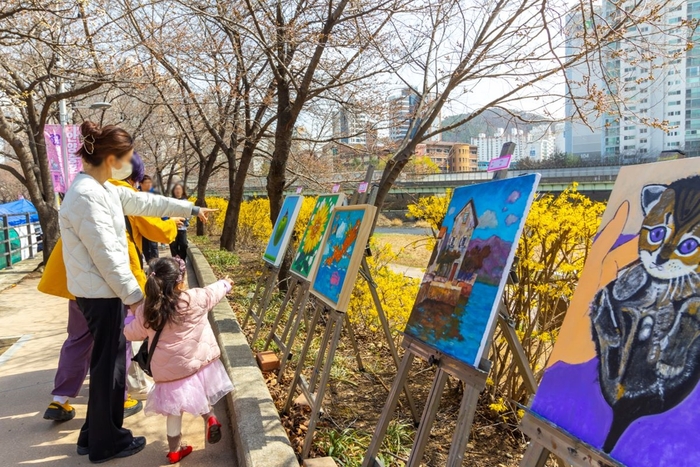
(11,277)
(26,379)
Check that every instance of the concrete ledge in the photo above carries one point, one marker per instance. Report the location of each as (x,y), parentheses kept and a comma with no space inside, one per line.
(259,438)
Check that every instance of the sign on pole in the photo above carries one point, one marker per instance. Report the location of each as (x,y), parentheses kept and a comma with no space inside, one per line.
(499,163)
(52,137)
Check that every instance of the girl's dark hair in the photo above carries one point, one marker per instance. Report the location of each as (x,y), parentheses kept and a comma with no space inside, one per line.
(98,143)
(162,293)
(184,192)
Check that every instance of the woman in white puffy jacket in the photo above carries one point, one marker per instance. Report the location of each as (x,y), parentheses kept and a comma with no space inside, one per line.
(97,264)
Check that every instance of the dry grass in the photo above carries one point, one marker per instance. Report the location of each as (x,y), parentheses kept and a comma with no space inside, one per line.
(411,250)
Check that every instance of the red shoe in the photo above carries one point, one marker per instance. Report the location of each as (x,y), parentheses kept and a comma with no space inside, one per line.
(175,457)
(213,430)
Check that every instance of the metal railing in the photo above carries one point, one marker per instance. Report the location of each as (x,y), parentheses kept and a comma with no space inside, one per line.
(29,230)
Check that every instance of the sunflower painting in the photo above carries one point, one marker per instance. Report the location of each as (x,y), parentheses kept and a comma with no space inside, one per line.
(307,253)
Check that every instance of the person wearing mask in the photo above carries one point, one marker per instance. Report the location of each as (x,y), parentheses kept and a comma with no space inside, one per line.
(148,246)
(179,246)
(96,256)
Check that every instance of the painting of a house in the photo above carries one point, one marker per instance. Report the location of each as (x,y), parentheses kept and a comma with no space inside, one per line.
(459,294)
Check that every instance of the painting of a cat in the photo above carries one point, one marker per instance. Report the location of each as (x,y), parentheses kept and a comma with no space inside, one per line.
(645,323)
(623,375)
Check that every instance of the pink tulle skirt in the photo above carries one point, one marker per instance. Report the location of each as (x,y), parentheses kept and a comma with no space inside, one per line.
(195,394)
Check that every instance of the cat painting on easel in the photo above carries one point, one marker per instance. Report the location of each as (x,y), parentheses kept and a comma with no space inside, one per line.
(628,384)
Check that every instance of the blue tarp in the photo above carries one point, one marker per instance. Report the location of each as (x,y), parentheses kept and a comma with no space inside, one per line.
(21,206)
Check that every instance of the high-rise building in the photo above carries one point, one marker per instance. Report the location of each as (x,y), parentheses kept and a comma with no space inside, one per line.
(402,111)
(350,127)
(463,158)
(665,88)
(581,139)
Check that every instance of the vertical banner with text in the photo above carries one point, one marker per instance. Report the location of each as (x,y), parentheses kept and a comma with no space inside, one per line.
(52,136)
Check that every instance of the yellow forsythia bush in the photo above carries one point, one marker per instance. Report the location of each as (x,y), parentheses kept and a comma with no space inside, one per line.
(396,292)
(557,238)
(216,220)
(307,207)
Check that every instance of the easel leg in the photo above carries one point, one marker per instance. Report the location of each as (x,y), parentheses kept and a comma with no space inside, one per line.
(426,422)
(264,303)
(460,438)
(302,358)
(297,316)
(320,356)
(290,292)
(337,324)
(519,357)
(387,333)
(535,456)
(353,342)
(258,286)
(388,411)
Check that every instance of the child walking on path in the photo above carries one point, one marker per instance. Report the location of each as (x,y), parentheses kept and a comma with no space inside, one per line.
(188,375)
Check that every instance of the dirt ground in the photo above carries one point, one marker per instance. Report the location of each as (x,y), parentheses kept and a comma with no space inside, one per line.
(355,399)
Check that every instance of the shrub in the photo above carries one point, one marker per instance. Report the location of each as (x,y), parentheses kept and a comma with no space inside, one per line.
(396,292)
(558,235)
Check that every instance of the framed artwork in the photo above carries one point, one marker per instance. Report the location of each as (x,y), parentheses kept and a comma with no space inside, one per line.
(283,230)
(458,298)
(307,255)
(341,254)
(623,374)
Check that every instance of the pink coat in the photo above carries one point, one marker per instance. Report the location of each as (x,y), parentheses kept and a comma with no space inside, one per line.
(189,345)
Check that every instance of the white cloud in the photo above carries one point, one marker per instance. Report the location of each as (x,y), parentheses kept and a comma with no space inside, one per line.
(488,220)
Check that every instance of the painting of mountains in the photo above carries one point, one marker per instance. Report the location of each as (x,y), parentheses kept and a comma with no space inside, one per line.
(459,295)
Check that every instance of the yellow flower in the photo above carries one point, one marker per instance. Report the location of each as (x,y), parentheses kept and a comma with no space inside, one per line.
(315,230)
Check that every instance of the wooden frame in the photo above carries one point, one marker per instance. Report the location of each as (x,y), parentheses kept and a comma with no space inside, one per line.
(339,301)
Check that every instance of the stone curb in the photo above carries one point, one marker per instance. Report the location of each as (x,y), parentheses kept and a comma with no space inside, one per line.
(259,438)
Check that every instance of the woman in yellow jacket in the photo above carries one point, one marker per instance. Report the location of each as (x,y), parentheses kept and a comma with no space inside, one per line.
(74,360)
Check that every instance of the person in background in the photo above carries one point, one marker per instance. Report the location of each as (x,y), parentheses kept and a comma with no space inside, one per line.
(189,377)
(96,256)
(148,247)
(179,246)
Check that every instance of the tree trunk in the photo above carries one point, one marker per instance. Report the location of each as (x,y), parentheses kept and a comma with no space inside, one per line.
(276,177)
(236,190)
(48,219)
(202,202)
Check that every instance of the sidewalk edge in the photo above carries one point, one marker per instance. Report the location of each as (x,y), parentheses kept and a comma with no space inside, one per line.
(259,438)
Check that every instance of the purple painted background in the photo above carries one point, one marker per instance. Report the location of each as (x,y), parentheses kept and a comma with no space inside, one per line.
(570,397)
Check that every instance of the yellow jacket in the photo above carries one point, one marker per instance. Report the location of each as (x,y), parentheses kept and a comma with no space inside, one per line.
(54,282)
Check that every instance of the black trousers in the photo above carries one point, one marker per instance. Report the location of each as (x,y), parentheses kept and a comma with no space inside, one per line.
(179,246)
(150,249)
(102,431)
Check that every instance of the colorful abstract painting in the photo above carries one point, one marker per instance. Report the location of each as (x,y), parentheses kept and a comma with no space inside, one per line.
(307,255)
(282,230)
(623,375)
(341,254)
(458,297)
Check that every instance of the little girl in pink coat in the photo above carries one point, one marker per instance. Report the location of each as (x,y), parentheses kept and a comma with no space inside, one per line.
(188,374)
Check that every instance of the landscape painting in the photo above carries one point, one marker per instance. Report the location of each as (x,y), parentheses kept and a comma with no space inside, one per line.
(282,230)
(341,254)
(623,375)
(306,256)
(462,286)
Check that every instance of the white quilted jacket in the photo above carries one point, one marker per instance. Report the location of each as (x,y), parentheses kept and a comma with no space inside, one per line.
(94,239)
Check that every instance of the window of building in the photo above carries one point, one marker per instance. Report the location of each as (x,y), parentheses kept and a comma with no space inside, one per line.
(644,101)
(674,103)
(642,150)
(645,29)
(675,123)
(627,148)
(672,133)
(631,88)
(674,20)
(629,137)
(643,130)
(642,141)
(675,93)
(673,144)
(628,128)
(675,112)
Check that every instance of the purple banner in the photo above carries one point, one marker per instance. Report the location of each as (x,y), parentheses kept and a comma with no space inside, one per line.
(52,136)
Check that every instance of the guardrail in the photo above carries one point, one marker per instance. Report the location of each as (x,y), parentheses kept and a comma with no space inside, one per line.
(29,231)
